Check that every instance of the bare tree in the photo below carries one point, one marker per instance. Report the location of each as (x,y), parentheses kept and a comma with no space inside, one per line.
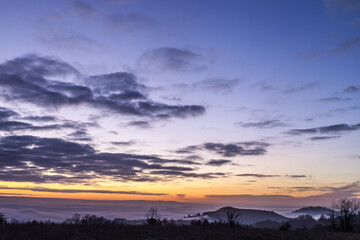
(2,218)
(152,216)
(343,213)
(232,215)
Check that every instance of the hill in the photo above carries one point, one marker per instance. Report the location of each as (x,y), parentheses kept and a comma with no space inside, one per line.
(313,210)
(248,216)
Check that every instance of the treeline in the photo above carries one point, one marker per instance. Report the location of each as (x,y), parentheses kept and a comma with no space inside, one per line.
(91,227)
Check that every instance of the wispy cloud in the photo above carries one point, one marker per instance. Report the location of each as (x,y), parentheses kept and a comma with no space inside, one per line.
(172,59)
(301,88)
(347,44)
(263,124)
(337,128)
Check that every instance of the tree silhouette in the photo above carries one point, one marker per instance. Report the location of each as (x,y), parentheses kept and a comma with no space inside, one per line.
(343,213)
(232,215)
(2,218)
(152,216)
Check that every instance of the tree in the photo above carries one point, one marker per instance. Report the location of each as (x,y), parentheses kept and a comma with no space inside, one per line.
(2,218)
(232,215)
(343,212)
(152,216)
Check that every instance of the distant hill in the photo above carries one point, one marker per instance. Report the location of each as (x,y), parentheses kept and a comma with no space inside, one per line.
(248,216)
(313,210)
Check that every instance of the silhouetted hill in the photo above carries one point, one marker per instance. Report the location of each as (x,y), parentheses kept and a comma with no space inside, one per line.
(248,216)
(313,210)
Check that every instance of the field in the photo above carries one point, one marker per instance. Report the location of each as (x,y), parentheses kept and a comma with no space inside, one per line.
(36,231)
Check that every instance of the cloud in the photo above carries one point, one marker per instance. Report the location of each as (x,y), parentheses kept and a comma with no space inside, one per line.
(296,176)
(218,85)
(129,21)
(84,10)
(263,124)
(257,175)
(218,162)
(79,135)
(229,150)
(337,128)
(37,80)
(323,138)
(351,89)
(6,113)
(127,143)
(54,190)
(172,59)
(11,121)
(140,124)
(43,160)
(40,118)
(307,56)
(68,40)
(263,86)
(347,44)
(301,88)
(333,99)
(114,20)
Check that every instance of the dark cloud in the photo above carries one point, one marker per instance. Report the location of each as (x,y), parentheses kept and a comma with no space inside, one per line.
(9,122)
(351,89)
(257,175)
(323,138)
(301,88)
(263,124)
(79,135)
(41,118)
(54,190)
(6,113)
(30,158)
(172,59)
(140,124)
(218,162)
(16,126)
(296,176)
(235,149)
(337,128)
(228,150)
(127,143)
(31,79)
(347,44)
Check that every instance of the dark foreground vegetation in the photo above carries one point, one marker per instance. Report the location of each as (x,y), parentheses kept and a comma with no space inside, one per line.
(156,232)
(342,223)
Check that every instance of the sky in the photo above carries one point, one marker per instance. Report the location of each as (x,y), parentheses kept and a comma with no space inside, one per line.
(243,103)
